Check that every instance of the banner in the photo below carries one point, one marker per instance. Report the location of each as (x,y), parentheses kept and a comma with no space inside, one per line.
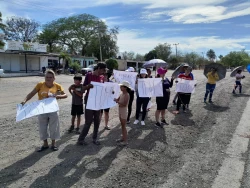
(44,106)
(102,95)
(185,86)
(150,87)
(130,77)
(26,46)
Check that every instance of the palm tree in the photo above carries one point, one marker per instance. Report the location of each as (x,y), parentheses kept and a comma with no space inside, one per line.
(66,58)
(211,55)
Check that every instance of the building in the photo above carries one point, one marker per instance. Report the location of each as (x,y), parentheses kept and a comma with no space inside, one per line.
(124,64)
(83,60)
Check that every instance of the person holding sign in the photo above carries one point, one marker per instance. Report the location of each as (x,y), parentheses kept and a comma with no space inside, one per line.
(141,102)
(184,98)
(47,89)
(162,102)
(123,102)
(90,115)
(212,77)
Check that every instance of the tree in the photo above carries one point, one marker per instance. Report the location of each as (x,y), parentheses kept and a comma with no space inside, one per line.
(139,57)
(49,36)
(66,60)
(234,59)
(21,29)
(173,62)
(125,55)
(111,64)
(2,26)
(163,51)
(131,55)
(211,55)
(220,56)
(75,66)
(150,55)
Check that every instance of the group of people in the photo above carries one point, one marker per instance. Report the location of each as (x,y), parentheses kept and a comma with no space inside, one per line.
(49,88)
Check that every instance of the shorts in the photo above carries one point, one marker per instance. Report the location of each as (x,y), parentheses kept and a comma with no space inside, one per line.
(76,110)
(123,112)
(105,110)
(162,102)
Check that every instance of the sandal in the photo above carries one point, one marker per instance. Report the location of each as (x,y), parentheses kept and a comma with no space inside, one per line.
(96,142)
(119,140)
(54,148)
(107,128)
(42,148)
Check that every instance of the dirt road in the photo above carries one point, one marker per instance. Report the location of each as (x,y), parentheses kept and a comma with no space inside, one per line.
(189,152)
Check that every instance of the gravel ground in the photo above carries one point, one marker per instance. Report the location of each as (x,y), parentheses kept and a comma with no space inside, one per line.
(186,153)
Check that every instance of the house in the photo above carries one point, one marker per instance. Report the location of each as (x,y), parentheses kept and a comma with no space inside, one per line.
(124,64)
(83,60)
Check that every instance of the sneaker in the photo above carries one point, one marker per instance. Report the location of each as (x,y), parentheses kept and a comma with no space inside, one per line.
(77,131)
(205,101)
(233,92)
(119,140)
(82,143)
(142,122)
(163,122)
(136,122)
(128,122)
(107,128)
(158,125)
(96,142)
(123,143)
(210,101)
(187,106)
(71,128)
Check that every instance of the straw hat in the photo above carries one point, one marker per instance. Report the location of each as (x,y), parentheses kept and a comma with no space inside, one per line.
(126,84)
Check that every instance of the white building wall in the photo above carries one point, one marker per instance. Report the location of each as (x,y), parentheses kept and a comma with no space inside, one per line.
(14,62)
(43,62)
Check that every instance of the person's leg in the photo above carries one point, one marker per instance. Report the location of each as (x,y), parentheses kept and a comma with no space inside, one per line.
(207,91)
(178,103)
(145,102)
(157,116)
(124,131)
(235,87)
(240,87)
(139,102)
(78,121)
(54,128)
(43,121)
(163,113)
(96,126)
(131,99)
(88,120)
(175,98)
(212,87)
(106,118)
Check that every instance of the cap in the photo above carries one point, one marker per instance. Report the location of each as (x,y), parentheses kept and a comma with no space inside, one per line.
(162,70)
(130,69)
(143,71)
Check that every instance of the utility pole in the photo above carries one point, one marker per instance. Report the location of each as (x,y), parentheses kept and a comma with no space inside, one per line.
(176,48)
(99,37)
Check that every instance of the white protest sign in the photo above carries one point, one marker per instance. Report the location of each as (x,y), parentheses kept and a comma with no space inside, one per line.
(44,106)
(150,87)
(102,95)
(185,86)
(121,76)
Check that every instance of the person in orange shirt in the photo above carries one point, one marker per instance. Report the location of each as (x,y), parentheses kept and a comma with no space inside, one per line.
(46,89)
(212,77)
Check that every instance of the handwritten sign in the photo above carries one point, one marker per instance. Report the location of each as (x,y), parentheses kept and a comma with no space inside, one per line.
(185,86)
(150,87)
(102,95)
(35,108)
(121,76)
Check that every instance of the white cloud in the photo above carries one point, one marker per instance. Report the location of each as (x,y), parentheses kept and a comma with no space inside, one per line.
(130,40)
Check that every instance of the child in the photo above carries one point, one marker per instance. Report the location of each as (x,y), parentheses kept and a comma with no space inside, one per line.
(238,81)
(212,77)
(76,90)
(141,101)
(123,101)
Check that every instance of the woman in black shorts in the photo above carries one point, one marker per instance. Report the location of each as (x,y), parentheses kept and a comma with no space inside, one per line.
(162,102)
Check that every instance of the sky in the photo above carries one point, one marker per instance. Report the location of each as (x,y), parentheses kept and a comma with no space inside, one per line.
(195,25)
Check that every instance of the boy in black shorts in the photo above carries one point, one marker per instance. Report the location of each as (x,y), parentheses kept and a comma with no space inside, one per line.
(76,90)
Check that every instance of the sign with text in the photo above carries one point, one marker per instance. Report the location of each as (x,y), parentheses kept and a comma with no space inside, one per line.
(44,106)
(26,46)
(130,77)
(185,86)
(102,95)
(150,87)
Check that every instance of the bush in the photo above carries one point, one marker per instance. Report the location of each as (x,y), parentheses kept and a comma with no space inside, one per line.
(111,64)
(75,66)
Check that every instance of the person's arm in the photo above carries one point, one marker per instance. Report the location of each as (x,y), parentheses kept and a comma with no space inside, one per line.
(171,82)
(62,95)
(71,88)
(29,96)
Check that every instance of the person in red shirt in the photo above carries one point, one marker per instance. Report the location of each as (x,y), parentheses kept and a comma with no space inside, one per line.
(184,98)
(90,115)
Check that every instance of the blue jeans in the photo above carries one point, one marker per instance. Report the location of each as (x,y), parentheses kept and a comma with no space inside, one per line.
(237,83)
(209,90)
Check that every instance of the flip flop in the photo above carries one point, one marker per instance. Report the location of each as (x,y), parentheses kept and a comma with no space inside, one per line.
(42,148)
(54,148)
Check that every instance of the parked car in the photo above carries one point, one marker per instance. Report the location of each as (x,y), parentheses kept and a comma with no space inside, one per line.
(90,68)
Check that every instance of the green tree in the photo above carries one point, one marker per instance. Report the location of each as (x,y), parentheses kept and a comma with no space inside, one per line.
(173,60)
(163,51)
(49,36)
(21,29)
(111,64)
(75,66)
(150,55)
(211,55)
(2,26)
(234,59)
(139,57)
(66,59)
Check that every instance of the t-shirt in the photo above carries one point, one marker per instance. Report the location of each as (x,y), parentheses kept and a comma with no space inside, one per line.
(45,92)
(91,78)
(238,77)
(166,84)
(76,99)
(191,74)
(211,79)
(183,76)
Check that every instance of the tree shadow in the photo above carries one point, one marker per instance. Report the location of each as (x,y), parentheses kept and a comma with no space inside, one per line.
(14,172)
(89,160)
(183,119)
(216,108)
(241,95)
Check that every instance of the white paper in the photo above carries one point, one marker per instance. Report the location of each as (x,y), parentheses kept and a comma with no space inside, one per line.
(44,106)
(102,95)
(150,87)
(185,86)
(121,76)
